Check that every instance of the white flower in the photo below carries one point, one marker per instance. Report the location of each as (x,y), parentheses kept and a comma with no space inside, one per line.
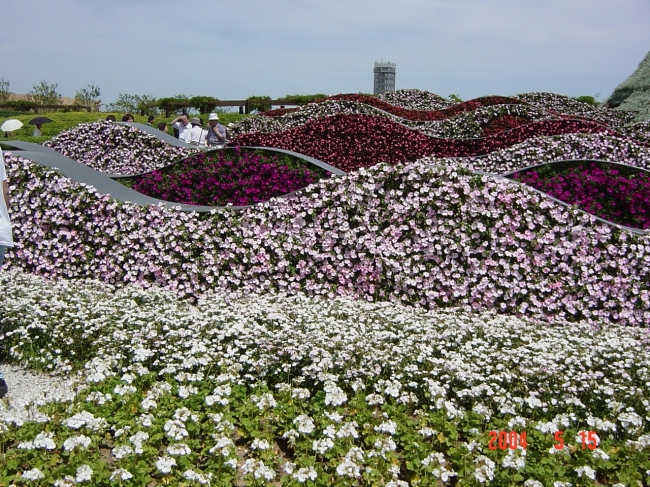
(389,427)
(175,429)
(304,474)
(299,393)
(600,454)
(33,474)
(427,432)
(124,389)
(305,424)
(533,483)
(84,473)
(198,477)
(348,469)
(121,474)
(145,420)
(322,445)
(258,444)
(121,451)
(165,464)
(44,441)
(348,430)
(586,471)
(81,441)
(178,449)
(334,395)
(334,416)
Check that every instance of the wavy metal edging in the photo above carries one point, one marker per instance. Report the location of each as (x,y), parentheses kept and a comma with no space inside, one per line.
(104,184)
(505,176)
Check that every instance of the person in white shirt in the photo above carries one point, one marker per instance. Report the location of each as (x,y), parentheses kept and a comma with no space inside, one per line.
(182,124)
(37,130)
(6,236)
(197,134)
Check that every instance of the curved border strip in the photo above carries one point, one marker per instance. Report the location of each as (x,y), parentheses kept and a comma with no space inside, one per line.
(105,184)
(165,137)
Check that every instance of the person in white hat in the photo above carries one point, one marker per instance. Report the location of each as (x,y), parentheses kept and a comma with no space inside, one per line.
(216,132)
(6,236)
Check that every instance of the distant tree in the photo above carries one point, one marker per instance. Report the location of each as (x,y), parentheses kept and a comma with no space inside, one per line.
(259,103)
(45,94)
(132,104)
(89,96)
(589,100)
(4,90)
(303,98)
(455,98)
(204,104)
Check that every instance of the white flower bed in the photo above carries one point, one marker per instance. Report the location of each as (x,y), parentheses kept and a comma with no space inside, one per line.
(343,388)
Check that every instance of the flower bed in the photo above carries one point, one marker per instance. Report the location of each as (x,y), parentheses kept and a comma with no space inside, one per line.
(349,142)
(413,99)
(573,108)
(115,148)
(225,177)
(560,147)
(418,235)
(612,192)
(425,115)
(258,389)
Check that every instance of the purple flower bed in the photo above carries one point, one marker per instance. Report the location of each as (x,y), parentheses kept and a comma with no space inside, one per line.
(614,193)
(418,235)
(226,177)
(115,148)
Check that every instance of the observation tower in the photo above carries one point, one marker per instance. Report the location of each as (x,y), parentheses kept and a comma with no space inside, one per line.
(384,77)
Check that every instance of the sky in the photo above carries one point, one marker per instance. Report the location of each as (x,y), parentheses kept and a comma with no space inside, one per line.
(239,48)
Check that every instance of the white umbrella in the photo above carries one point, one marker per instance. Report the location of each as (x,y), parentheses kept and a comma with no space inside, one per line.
(11,125)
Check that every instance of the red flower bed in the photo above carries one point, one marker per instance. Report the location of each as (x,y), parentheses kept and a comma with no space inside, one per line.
(353,141)
(502,124)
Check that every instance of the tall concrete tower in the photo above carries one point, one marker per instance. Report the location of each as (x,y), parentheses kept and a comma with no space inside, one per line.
(384,77)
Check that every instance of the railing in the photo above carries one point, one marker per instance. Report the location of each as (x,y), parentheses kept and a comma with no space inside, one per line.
(244,105)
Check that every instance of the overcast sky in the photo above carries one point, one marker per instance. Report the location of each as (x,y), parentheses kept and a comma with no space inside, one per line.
(238,48)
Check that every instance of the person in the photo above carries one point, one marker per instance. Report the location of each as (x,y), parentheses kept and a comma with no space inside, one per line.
(37,130)
(128,118)
(110,118)
(216,132)
(150,120)
(197,135)
(162,126)
(6,238)
(182,124)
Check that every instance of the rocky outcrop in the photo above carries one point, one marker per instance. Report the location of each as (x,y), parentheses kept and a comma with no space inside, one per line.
(634,93)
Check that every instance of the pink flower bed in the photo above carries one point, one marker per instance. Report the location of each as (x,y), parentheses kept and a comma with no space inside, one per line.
(418,235)
(353,141)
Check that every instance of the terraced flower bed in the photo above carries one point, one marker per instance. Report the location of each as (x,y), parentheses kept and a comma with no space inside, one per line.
(409,323)
(227,177)
(616,193)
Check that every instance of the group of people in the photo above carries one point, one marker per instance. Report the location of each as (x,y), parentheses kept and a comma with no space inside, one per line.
(191,130)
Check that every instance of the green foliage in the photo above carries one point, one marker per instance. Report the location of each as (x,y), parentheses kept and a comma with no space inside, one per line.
(204,104)
(89,96)
(4,90)
(45,93)
(303,98)
(455,98)
(590,100)
(22,105)
(258,103)
(127,103)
